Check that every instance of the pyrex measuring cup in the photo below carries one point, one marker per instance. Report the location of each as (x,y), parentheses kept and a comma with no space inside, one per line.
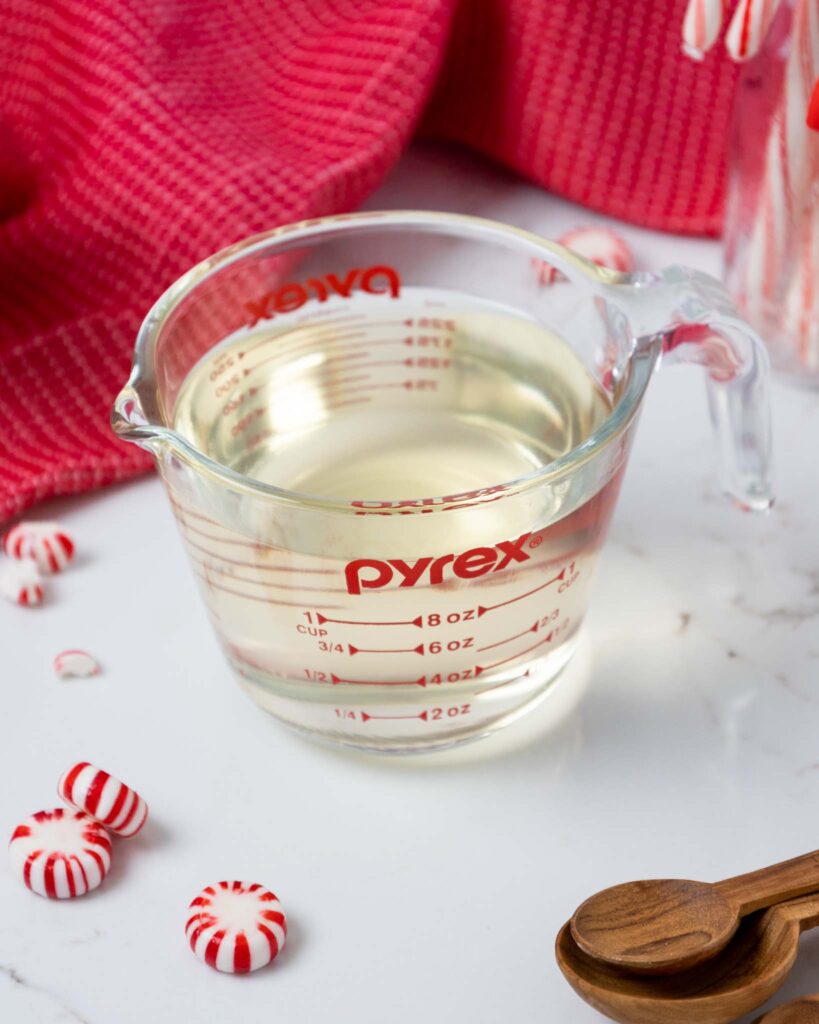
(393,442)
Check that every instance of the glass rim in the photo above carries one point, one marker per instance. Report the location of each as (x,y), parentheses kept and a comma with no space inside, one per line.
(143,373)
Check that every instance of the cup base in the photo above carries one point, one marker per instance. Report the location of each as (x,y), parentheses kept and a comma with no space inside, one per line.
(434,718)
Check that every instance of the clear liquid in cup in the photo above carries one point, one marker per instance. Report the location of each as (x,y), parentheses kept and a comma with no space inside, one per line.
(410,630)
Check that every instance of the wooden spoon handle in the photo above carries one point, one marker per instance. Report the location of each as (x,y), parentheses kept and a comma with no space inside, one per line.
(804,911)
(798,1011)
(773,884)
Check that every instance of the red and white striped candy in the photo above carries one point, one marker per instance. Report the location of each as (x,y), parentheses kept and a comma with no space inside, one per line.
(20,582)
(60,853)
(601,246)
(813,107)
(109,801)
(701,25)
(75,663)
(235,927)
(748,27)
(47,543)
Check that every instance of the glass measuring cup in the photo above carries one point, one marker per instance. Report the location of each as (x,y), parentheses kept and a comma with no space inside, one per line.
(393,443)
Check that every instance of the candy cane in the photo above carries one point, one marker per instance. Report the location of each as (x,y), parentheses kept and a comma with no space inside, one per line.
(809,339)
(776,279)
(800,74)
(800,317)
(701,25)
(748,27)
(813,108)
(802,166)
(764,248)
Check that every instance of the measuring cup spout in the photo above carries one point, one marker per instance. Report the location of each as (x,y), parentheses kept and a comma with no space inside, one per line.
(704,328)
(129,421)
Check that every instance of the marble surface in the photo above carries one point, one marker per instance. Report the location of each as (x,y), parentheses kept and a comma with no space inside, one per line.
(682,741)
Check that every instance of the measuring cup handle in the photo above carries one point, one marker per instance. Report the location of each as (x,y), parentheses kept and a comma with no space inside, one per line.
(706,330)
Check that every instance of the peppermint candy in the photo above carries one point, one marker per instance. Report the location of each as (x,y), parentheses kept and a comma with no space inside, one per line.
(47,544)
(107,800)
(235,927)
(60,853)
(600,245)
(21,583)
(75,663)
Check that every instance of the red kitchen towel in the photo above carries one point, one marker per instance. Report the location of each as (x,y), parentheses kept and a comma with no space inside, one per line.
(138,136)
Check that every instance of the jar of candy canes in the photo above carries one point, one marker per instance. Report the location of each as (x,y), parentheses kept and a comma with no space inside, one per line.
(772,214)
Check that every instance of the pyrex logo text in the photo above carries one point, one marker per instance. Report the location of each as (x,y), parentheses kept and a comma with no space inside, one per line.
(376,280)
(373,573)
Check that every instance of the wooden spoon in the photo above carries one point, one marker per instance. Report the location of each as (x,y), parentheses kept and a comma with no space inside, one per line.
(743,976)
(798,1011)
(667,925)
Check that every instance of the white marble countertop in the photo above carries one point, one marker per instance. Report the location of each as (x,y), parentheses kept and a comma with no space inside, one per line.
(682,741)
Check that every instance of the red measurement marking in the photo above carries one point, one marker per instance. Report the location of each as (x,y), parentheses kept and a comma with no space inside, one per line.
(351,401)
(327,331)
(342,382)
(372,343)
(422,362)
(373,682)
(184,510)
(357,622)
(388,650)
(407,385)
(500,686)
(429,323)
(277,355)
(318,337)
(388,362)
(392,718)
(256,566)
(211,584)
(437,341)
(346,358)
(535,567)
(531,629)
(232,577)
(366,345)
(358,318)
(485,668)
(324,318)
(483,609)
(327,316)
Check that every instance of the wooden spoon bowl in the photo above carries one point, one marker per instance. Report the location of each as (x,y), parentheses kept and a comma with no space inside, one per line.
(744,975)
(666,925)
(657,926)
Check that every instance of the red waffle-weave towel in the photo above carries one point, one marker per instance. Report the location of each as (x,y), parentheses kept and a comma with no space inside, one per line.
(139,136)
